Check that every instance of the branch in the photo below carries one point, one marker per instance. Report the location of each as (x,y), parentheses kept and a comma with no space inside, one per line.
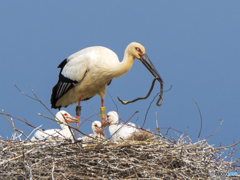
(113,101)
(148,109)
(200,118)
(65,124)
(15,129)
(36,98)
(217,130)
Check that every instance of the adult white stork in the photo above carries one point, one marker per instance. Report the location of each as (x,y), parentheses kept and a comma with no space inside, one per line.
(123,130)
(89,71)
(97,132)
(51,134)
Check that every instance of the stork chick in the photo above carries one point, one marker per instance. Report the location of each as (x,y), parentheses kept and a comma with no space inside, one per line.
(65,133)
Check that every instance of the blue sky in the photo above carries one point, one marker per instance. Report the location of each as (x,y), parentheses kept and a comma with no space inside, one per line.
(194,45)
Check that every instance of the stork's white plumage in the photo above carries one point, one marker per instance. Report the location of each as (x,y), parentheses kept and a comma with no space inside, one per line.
(89,71)
(97,132)
(57,134)
(123,130)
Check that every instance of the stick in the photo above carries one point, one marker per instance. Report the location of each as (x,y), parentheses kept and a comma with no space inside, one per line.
(15,129)
(217,130)
(148,109)
(200,118)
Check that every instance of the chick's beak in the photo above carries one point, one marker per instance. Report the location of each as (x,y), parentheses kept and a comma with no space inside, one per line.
(71,119)
(106,122)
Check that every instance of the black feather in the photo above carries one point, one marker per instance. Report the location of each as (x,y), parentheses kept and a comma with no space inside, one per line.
(63,85)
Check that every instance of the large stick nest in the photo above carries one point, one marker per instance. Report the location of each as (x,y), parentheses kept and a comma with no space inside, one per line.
(152,157)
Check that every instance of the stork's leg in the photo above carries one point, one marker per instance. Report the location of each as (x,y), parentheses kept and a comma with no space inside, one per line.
(78,112)
(102,113)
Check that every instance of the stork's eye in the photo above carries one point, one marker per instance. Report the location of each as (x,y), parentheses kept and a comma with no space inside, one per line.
(137,49)
(65,114)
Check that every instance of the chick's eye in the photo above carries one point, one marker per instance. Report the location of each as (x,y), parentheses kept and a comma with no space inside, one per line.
(137,49)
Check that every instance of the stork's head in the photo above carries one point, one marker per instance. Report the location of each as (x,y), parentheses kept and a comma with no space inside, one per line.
(138,51)
(97,127)
(64,116)
(112,118)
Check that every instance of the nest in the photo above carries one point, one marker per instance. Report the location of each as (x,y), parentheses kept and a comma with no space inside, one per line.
(140,157)
(141,135)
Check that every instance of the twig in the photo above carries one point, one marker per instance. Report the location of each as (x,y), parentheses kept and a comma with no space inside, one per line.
(217,130)
(65,124)
(30,171)
(226,147)
(93,109)
(113,101)
(134,167)
(169,88)
(168,128)
(37,128)
(6,161)
(53,165)
(148,109)
(200,118)
(157,128)
(36,98)
(15,129)
(27,137)
(87,119)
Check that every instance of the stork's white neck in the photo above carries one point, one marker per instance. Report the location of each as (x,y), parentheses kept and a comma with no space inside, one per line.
(125,65)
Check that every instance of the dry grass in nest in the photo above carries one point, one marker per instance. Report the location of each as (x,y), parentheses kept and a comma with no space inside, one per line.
(141,135)
(155,159)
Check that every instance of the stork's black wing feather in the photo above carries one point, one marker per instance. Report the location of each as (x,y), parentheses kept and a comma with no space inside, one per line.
(63,85)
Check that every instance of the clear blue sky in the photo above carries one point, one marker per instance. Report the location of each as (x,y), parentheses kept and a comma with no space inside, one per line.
(194,45)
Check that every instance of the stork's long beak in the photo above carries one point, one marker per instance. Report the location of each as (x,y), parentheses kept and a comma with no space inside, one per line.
(148,64)
(71,119)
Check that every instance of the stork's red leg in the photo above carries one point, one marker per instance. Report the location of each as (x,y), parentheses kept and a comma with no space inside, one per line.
(102,113)
(78,112)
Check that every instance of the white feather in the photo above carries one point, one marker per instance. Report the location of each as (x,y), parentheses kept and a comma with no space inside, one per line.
(96,125)
(123,130)
(55,134)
